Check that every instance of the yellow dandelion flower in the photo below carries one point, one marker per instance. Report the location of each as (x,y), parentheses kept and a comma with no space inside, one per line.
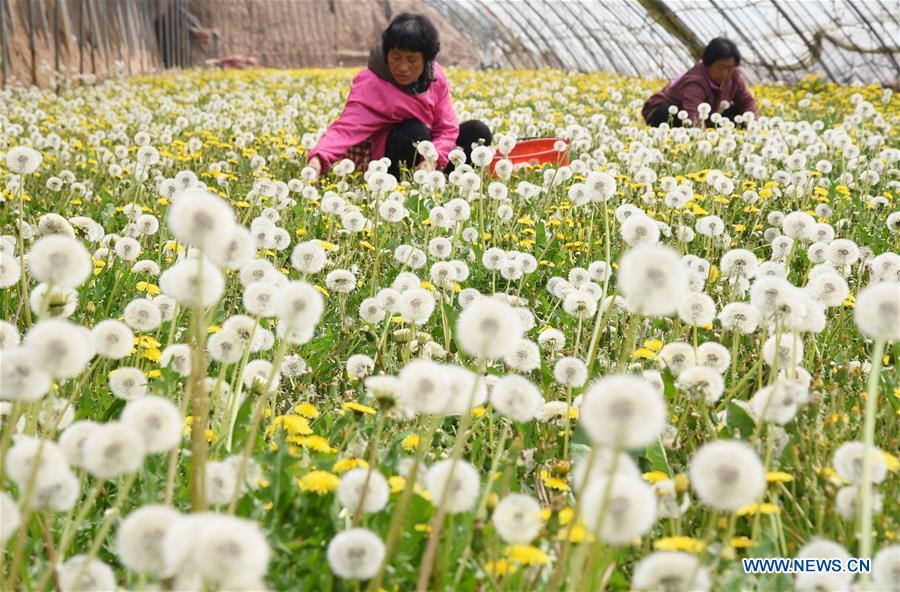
(752,509)
(410,443)
(526,555)
(779,477)
(741,542)
(554,482)
(643,353)
(397,483)
(319,482)
(345,464)
(314,443)
(294,425)
(679,543)
(655,476)
(653,345)
(500,567)
(306,410)
(153,354)
(359,408)
(577,534)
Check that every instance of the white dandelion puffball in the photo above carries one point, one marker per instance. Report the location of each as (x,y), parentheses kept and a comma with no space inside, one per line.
(298,304)
(112,339)
(727,475)
(10,517)
(466,389)
(342,281)
(128,383)
(139,540)
(517,398)
(653,279)
(416,305)
(363,485)
(517,519)
(670,571)
(23,160)
(622,410)
(697,309)
(113,449)
(72,440)
(848,462)
(158,421)
(877,311)
(355,554)
(229,551)
(201,219)
(259,376)
(10,270)
(701,383)
(778,402)
(457,492)
(604,464)
(141,314)
(820,549)
(488,328)
(570,372)
(60,261)
(221,482)
(714,355)
(886,569)
(525,356)
(193,283)
(628,511)
(739,317)
(422,387)
(787,347)
(308,257)
(59,347)
(82,574)
(22,456)
(22,377)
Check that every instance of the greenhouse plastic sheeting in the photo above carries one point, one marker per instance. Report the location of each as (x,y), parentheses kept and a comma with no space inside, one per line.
(840,41)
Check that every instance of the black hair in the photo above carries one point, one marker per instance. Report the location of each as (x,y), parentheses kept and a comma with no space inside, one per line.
(412,32)
(721,48)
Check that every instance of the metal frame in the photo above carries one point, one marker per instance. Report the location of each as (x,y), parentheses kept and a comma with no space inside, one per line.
(780,39)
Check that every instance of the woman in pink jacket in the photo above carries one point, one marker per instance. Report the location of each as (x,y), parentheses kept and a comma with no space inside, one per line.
(715,80)
(400,99)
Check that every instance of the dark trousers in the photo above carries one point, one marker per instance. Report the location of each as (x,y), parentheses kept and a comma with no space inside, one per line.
(661,115)
(403,137)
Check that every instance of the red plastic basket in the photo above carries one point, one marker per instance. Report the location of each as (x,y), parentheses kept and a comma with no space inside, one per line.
(535,151)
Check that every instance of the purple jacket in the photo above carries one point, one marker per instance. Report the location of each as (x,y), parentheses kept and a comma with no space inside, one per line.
(695,87)
(374,105)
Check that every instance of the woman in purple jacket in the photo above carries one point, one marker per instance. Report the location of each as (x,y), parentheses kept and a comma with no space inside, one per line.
(715,80)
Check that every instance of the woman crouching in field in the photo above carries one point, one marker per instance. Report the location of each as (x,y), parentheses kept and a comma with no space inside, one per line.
(400,99)
(714,80)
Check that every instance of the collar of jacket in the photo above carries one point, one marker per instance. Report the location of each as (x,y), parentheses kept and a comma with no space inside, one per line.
(378,64)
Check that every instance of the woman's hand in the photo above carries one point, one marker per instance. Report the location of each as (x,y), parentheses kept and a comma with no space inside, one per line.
(425,165)
(316,165)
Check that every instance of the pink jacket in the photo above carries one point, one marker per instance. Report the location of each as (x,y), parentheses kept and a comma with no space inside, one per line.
(695,87)
(374,105)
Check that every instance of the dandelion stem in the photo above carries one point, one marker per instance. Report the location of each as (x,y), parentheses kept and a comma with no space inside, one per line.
(865,512)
